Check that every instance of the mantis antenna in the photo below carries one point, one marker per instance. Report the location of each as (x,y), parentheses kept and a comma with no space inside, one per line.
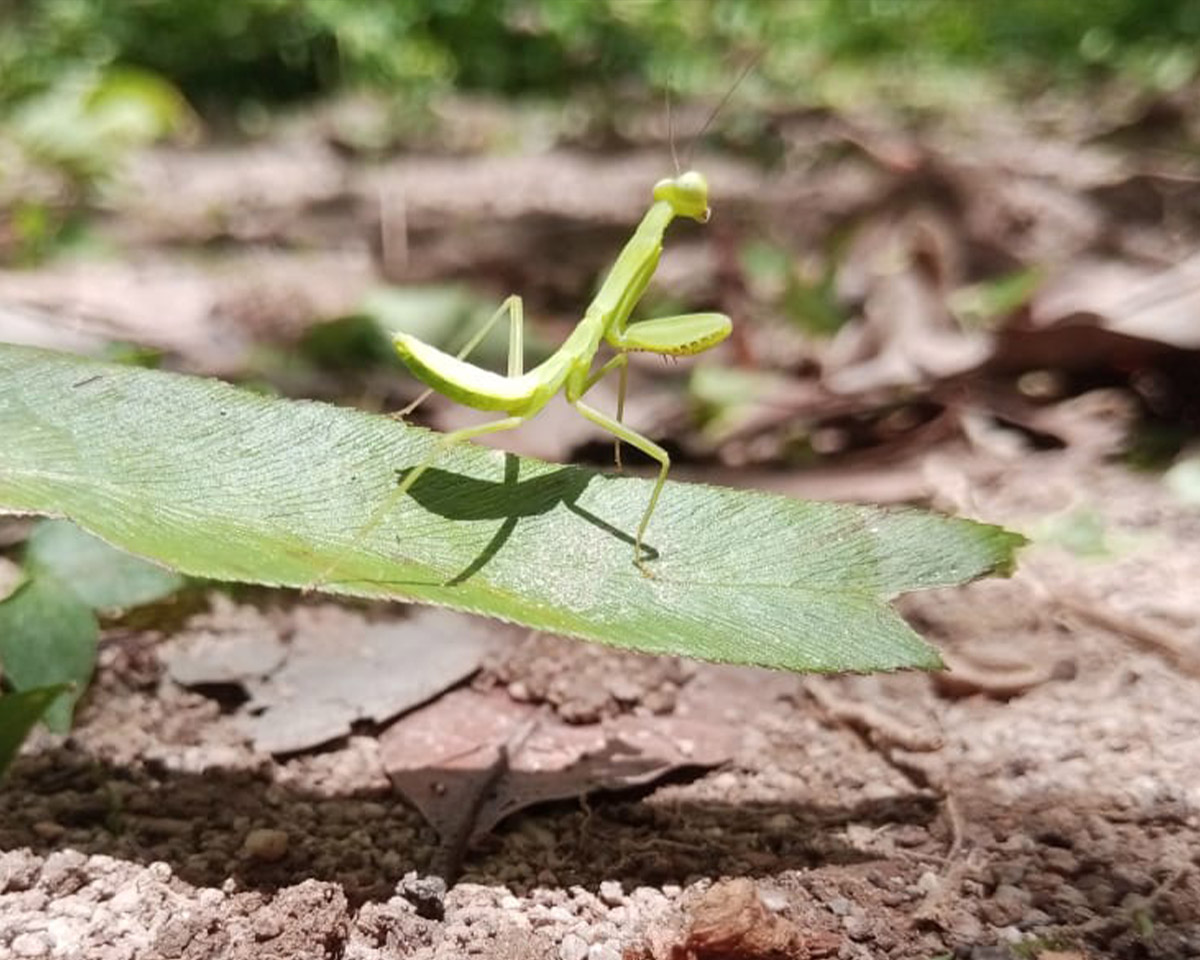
(671,130)
(753,62)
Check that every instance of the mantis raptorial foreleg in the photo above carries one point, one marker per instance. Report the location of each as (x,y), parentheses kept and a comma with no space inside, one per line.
(514,306)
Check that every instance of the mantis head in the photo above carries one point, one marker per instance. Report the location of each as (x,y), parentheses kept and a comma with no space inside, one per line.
(687,194)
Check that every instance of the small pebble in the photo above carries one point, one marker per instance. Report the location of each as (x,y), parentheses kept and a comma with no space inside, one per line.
(426,894)
(560,915)
(573,947)
(267,926)
(48,829)
(31,945)
(611,893)
(265,844)
(926,883)
(774,900)
(126,900)
(1060,861)
(857,926)
(160,870)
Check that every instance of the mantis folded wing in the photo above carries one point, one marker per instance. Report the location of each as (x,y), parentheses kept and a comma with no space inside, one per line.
(520,395)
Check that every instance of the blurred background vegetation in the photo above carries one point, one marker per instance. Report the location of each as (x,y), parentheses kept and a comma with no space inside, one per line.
(82,82)
(221,55)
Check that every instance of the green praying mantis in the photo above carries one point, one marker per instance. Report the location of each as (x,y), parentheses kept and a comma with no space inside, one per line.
(519,395)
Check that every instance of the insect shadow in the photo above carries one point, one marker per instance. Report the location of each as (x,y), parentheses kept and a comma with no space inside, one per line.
(456,497)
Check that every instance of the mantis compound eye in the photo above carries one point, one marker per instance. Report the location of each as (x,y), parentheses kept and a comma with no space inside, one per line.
(687,194)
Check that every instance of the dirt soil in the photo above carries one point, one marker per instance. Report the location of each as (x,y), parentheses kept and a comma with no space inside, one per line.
(1041,796)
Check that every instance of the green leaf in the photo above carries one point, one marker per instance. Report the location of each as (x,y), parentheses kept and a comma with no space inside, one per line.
(18,713)
(47,637)
(48,632)
(221,483)
(101,576)
(11,577)
(982,305)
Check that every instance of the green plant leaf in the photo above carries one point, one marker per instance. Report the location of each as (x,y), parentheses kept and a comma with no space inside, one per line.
(18,713)
(48,631)
(102,577)
(221,483)
(11,577)
(48,637)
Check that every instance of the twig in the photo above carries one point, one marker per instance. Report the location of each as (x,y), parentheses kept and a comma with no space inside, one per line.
(968,675)
(878,730)
(1100,614)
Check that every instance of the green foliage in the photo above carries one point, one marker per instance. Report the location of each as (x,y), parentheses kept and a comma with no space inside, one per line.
(801,291)
(79,129)
(102,577)
(984,305)
(18,713)
(48,627)
(285,49)
(1080,531)
(444,316)
(86,121)
(723,397)
(221,483)
(48,636)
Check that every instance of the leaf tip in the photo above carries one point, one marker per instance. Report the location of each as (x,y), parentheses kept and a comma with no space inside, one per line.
(1007,543)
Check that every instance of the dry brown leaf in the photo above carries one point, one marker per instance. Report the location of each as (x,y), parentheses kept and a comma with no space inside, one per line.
(1157,305)
(228,643)
(472,758)
(338,667)
(900,271)
(33,327)
(164,305)
(342,668)
(209,314)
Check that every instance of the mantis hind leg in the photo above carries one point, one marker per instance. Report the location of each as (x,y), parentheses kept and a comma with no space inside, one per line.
(648,447)
(445,442)
(514,306)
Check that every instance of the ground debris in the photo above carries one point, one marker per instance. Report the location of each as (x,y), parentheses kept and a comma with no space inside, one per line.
(730,921)
(335,668)
(471,759)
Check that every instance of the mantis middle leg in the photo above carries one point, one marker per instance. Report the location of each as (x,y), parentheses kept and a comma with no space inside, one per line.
(619,362)
(515,308)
